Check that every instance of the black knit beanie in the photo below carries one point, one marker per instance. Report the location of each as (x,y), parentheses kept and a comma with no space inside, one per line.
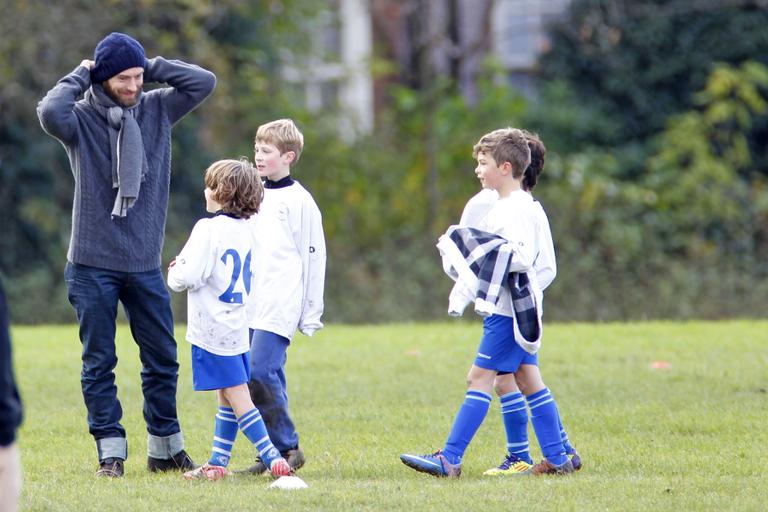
(115,53)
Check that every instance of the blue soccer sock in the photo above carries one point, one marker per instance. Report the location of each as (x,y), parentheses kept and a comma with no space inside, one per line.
(224,434)
(471,414)
(544,418)
(515,417)
(254,429)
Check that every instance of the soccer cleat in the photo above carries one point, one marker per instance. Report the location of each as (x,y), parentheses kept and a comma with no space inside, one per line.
(434,464)
(111,467)
(256,469)
(180,462)
(546,468)
(207,472)
(294,456)
(575,461)
(279,467)
(512,466)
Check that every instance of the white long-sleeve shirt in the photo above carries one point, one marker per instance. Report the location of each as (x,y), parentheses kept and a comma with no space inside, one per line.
(545,263)
(216,267)
(514,219)
(290,276)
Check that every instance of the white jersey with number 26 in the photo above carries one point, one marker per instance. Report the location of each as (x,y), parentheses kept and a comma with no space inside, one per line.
(216,267)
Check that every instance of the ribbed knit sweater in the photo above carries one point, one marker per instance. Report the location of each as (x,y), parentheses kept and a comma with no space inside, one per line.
(132,243)
(10,404)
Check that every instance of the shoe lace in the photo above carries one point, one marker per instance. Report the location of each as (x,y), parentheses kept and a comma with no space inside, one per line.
(110,467)
(510,461)
(181,458)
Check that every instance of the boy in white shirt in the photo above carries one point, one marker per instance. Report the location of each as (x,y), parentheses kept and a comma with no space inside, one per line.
(289,285)
(502,157)
(514,388)
(216,267)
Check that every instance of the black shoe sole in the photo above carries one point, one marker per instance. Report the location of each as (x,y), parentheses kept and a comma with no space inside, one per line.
(421,469)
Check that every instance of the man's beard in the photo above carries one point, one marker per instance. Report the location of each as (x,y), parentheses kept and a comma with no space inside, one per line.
(116,97)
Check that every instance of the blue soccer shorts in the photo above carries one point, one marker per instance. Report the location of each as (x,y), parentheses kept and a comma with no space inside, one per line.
(498,349)
(211,371)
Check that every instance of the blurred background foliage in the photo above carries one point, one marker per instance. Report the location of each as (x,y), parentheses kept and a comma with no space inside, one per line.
(654,114)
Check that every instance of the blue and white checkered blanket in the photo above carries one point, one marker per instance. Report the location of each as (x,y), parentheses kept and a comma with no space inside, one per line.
(479,263)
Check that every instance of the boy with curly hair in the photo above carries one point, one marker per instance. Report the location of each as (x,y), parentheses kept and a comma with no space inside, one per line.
(216,267)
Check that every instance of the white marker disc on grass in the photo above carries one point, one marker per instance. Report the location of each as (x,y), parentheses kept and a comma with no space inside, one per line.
(289,482)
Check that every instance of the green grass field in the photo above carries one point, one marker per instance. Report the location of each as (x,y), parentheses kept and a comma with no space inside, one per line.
(690,437)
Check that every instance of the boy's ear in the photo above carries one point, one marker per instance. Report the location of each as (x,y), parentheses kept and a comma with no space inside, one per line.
(506,167)
(289,156)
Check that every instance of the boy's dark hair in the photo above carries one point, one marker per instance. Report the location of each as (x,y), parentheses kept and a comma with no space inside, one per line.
(236,186)
(505,145)
(538,152)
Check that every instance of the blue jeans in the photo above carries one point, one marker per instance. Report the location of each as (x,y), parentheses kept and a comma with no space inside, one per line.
(94,293)
(268,387)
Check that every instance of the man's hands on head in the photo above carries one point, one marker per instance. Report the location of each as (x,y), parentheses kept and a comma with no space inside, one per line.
(88,64)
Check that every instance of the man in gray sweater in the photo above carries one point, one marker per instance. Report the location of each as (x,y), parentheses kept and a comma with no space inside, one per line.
(118,140)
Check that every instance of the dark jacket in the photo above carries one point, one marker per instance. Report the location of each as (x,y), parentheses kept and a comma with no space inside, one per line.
(10,404)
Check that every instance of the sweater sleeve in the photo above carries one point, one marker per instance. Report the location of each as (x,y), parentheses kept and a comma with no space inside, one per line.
(10,403)
(189,85)
(194,264)
(56,110)
(313,257)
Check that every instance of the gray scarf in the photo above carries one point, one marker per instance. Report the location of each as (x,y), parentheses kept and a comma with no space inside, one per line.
(129,161)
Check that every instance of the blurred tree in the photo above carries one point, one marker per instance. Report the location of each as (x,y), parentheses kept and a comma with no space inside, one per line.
(638,62)
(439,46)
(682,174)
(705,153)
(686,240)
